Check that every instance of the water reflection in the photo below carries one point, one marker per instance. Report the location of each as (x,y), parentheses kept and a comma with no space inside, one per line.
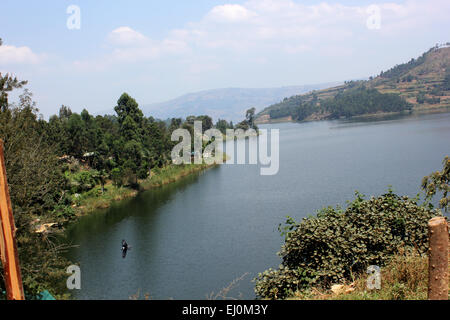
(197,235)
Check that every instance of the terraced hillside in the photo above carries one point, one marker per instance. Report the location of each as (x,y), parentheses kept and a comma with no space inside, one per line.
(422,84)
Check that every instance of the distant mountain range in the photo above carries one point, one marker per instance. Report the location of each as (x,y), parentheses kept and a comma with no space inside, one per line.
(227,103)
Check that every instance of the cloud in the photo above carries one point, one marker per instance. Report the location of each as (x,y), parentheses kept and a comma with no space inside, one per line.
(254,43)
(284,26)
(126,45)
(125,36)
(18,55)
(230,13)
(412,16)
(274,28)
(269,23)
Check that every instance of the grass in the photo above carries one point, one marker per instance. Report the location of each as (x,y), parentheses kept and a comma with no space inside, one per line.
(170,174)
(94,199)
(404,278)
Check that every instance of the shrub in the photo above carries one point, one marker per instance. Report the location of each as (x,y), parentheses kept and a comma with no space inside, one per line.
(336,244)
(283,282)
(82,181)
(64,211)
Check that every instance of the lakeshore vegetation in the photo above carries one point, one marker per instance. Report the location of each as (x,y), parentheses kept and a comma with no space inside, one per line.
(73,164)
(336,246)
(354,101)
(76,163)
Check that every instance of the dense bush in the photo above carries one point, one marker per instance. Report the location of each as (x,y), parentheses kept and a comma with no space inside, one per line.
(283,282)
(337,244)
(82,181)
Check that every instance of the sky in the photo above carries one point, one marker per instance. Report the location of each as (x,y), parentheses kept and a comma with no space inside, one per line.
(158,50)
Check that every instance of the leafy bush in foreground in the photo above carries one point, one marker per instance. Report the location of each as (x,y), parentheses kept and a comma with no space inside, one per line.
(439,181)
(82,181)
(336,244)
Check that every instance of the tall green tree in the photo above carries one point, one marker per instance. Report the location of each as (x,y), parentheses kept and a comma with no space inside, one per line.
(75,136)
(91,132)
(35,180)
(155,142)
(132,153)
(128,107)
(7,84)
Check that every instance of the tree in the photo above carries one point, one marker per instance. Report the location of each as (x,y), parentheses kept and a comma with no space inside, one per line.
(7,84)
(56,132)
(243,125)
(35,180)
(223,125)
(155,143)
(101,163)
(64,112)
(439,181)
(130,130)
(175,123)
(132,153)
(128,107)
(354,99)
(117,177)
(250,117)
(75,136)
(207,122)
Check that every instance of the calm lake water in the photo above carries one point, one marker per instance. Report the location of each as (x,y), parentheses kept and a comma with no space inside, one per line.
(197,235)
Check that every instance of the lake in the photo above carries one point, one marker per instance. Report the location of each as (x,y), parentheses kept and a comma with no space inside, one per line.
(195,236)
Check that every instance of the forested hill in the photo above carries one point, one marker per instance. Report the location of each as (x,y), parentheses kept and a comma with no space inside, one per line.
(422,83)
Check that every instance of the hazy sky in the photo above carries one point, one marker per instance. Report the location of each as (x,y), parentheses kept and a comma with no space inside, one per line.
(157,50)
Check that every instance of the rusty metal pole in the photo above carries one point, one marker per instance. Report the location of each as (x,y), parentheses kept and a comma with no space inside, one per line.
(8,246)
(438,259)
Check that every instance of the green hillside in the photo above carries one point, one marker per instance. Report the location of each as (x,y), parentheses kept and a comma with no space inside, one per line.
(420,84)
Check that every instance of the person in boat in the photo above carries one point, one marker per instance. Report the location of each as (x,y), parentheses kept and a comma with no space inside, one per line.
(124,248)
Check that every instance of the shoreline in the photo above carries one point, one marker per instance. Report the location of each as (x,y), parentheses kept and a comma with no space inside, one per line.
(419,110)
(94,200)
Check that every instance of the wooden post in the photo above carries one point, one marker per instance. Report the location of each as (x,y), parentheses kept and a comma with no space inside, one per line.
(438,259)
(8,246)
